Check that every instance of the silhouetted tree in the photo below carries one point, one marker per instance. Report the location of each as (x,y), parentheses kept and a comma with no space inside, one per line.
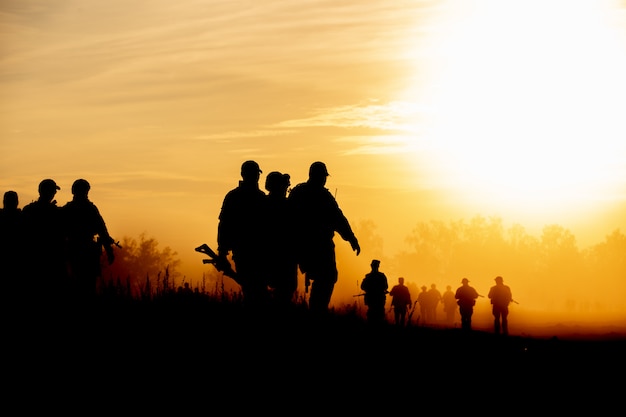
(139,260)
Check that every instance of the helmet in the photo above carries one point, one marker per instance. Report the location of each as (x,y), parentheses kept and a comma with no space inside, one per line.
(318,169)
(80,187)
(276,181)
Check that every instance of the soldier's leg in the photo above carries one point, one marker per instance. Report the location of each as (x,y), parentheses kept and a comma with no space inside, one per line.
(321,292)
(496,320)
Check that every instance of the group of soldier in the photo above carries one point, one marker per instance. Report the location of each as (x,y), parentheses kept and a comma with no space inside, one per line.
(269,236)
(375,287)
(50,251)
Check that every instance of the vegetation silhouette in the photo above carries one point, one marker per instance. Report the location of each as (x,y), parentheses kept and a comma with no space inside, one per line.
(550,272)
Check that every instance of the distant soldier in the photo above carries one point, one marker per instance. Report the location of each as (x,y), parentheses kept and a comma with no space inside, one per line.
(44,244)
(86,236)
(500,296)
(466,298)
(400,301)
(375,286)
(241,231)
(281,260)
(449,304)
(423,300)
(434,297)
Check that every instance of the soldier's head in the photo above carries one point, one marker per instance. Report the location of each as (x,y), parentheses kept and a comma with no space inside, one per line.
(499,280)
(80,188)
(250,171)
(10,200)
(277,183)
(318,173)
(401,280)
(375,264)
(47,189)
(464,281)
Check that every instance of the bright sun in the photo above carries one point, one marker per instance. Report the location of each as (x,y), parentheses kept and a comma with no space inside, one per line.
(526,103)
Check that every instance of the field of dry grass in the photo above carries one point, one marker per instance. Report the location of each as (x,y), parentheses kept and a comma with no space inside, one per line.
(210,347)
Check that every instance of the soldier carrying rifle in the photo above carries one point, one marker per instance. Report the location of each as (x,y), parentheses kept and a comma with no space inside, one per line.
(500,296)
(241,232)
(375,286)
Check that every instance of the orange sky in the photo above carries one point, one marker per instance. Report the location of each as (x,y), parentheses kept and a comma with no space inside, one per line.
(422,110)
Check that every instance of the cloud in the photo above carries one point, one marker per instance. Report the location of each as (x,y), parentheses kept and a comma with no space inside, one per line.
(391,116)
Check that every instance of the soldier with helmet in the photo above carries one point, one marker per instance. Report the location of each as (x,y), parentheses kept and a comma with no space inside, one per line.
(466,298)
(500,296)
(375,285)
(86,236)
(282,269)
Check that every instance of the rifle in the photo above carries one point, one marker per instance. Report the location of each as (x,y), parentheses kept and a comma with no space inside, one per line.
(107,245)
(408,320)
(221,263)
(363,294)
(110,241)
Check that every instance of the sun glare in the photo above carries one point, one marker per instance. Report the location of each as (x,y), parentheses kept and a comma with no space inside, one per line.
(526,102)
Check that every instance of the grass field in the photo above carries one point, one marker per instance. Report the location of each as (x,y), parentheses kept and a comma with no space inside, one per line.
(209,347)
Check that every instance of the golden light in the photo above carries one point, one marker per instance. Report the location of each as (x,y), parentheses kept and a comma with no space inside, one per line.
(525,103)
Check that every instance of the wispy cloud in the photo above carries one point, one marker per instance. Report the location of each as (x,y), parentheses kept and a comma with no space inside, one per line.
(391,116)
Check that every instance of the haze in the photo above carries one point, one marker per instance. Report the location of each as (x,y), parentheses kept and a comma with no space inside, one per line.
(422,110)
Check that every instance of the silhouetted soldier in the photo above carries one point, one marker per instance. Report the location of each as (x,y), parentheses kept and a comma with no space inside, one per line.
(434,297)
(423,300)
(281,260)
(241,232)
(466,298)
(317,217)
(500,296)
(400,301)
(11,236)
(86,236)
(375,286)
(44,246)
(449,304)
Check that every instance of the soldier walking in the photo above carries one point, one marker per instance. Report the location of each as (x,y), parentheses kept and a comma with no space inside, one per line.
(375,286)
(317,217)
(466,298)
(400,301)
(500,296)
(241,231)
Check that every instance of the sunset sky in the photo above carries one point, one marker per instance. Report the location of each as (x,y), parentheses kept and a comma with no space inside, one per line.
(421,109)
